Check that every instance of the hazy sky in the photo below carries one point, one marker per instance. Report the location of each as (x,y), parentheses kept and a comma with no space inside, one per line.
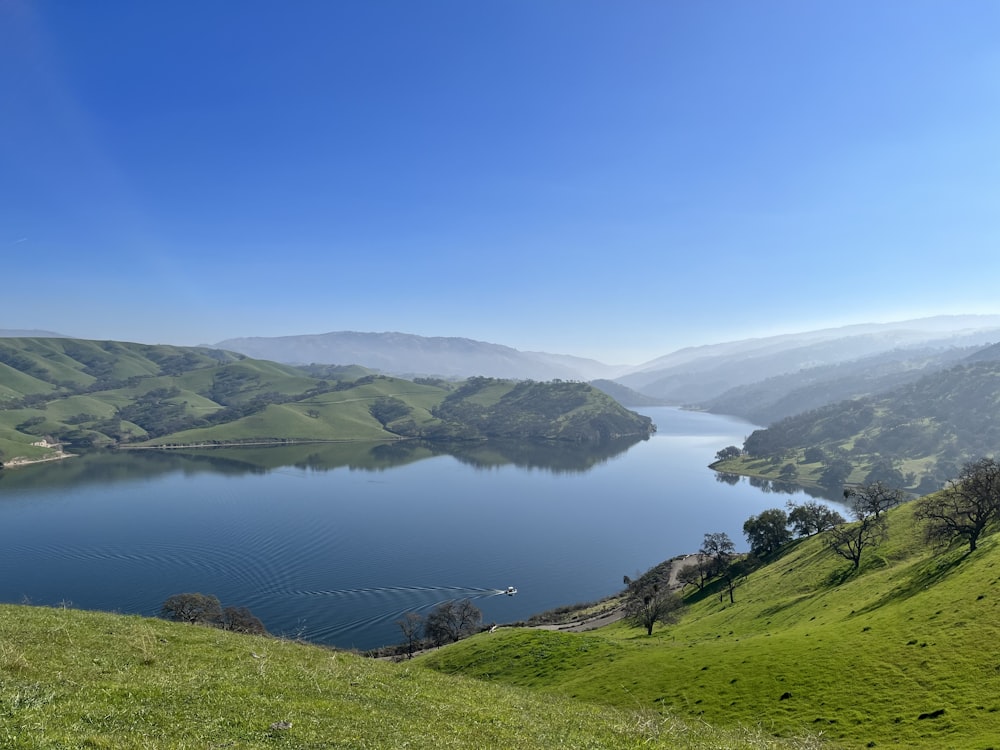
(610,179)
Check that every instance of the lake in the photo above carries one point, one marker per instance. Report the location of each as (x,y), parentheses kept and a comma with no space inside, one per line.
(334,543)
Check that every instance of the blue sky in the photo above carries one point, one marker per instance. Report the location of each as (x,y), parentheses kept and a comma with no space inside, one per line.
(608,179)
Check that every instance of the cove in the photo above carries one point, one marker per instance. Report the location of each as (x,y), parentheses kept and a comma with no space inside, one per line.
(333,543)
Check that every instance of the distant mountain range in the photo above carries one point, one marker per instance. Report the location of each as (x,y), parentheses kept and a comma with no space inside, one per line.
(772,399)
(761,379)
(699,375)
(408,355)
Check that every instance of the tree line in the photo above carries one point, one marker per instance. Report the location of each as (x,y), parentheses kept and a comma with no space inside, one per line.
(448,622)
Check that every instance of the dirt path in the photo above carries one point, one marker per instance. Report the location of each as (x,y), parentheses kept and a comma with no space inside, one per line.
(677,564)
(580,626)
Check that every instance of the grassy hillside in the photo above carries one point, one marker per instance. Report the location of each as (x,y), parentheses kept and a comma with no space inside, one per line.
(73,679)
(87,394)
(915,436)
(491,408)
(901,654)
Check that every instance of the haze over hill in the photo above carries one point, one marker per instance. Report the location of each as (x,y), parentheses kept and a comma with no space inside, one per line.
(766,401)
(691,376)
(697,375)
(407,354)
(915,435)
(16,333)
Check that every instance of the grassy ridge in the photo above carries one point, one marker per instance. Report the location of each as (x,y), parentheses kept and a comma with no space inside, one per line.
(86,394)
(902,654)
(93,680)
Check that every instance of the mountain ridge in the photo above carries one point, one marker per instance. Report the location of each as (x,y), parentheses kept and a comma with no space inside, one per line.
(408,354)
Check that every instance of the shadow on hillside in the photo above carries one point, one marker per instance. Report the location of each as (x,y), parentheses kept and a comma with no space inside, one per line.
(712,589)
(929,574)
(775,609)
(718,587)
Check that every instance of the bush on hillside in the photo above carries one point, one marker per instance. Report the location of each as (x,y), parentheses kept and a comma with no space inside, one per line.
(193,608)
(205,609)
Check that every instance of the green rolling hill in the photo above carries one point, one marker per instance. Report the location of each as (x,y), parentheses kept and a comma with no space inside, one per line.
(900,654)
(77,395)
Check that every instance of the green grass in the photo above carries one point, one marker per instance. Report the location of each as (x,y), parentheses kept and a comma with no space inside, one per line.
(72,679)
(287,422)
(490,394)
(14,384)
(77,392)
(14,444)
(807,474)
(859,658)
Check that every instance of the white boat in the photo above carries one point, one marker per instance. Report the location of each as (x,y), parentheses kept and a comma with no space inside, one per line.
(510,591)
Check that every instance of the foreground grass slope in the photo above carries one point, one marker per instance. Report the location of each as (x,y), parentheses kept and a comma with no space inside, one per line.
(72,679)
(904,653)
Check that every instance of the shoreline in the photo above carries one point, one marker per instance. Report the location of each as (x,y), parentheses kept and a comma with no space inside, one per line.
(252,443)
(19,461)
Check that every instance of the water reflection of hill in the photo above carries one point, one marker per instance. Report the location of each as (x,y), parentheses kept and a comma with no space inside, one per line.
(111,466)
(559,457)
(768,486)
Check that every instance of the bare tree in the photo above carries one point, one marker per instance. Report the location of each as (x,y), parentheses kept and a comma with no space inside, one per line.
(868,505)
(412,626)
(966,506)
(696,573)
(649,603)
(849,540)
(451,621)
(874,499)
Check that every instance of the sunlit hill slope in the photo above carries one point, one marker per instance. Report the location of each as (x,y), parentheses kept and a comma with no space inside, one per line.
(86,394)
(904,653)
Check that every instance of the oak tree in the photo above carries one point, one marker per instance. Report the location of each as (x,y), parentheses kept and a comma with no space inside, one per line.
(411,625)
(867,505)
(193,608)
(451,621)
(767,532)
(966,507)
(812,517)
(650,602)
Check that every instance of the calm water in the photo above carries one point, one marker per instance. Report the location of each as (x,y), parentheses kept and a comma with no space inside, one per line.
(335,543)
